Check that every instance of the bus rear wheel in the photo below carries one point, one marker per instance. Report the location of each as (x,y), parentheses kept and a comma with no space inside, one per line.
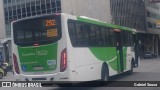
(104,74)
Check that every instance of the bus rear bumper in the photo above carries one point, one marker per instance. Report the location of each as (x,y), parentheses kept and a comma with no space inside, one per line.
(46,77)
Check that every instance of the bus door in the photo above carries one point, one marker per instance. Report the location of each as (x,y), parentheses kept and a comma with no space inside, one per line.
(136,50)
(119,48)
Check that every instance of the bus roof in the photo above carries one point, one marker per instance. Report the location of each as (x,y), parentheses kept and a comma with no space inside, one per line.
(86,19)
(98,22)
(32,17)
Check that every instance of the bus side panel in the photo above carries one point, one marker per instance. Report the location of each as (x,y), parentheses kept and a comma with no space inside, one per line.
(128,59)
(62,45)
(108,55)
(15,52)
(82,65)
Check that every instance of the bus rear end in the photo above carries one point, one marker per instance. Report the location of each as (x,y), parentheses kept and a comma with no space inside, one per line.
(35,48)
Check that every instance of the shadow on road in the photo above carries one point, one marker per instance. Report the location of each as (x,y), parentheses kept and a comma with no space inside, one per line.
(121,76)
(95,84)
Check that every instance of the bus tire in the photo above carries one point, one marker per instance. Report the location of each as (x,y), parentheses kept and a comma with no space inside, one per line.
(104,74)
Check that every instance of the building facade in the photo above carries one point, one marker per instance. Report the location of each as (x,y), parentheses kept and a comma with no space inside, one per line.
(2,24)
(17,9)
(129,13)
(152,24)
(2,29)
(97,9)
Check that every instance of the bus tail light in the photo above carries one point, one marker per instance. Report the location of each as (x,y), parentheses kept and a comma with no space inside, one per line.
(15,62)
(63,62)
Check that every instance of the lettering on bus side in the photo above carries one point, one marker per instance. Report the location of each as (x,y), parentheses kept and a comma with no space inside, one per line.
(38,53)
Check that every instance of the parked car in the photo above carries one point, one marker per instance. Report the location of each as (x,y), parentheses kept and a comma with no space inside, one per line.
(149,54)
(4,67)
(154,55)
(1,73)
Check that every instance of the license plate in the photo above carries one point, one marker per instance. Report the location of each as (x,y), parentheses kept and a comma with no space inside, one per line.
(38,68)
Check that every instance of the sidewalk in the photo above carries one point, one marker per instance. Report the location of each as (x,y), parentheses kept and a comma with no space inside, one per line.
(149,65)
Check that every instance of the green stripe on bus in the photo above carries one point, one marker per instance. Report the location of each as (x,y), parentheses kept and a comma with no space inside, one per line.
(124,57)
(42,58)
(106,54)
(103,24)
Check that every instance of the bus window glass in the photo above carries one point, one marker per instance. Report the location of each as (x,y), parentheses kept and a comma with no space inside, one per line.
(41,30)
(102,31)
(20,36)
(98,39)
(79,33)
(28,35)
(37,35)
(112,38)
(107,36)
(72,33)
(92,36)
(126,38)
(85,30)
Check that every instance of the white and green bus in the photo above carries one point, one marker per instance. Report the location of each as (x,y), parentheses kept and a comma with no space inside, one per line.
(62,47)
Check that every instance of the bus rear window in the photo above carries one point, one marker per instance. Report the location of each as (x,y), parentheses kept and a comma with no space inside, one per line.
(39,30)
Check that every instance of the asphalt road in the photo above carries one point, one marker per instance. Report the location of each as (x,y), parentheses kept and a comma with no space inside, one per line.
(149,70)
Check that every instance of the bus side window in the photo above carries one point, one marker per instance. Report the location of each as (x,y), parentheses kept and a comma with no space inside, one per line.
(112,38)
(79,35)
(124,38)
(98,38)
(103,36)
(127,39)
(72,33)
(85,34)
(107,36)
(88,28)
(92,35)
(131,40)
